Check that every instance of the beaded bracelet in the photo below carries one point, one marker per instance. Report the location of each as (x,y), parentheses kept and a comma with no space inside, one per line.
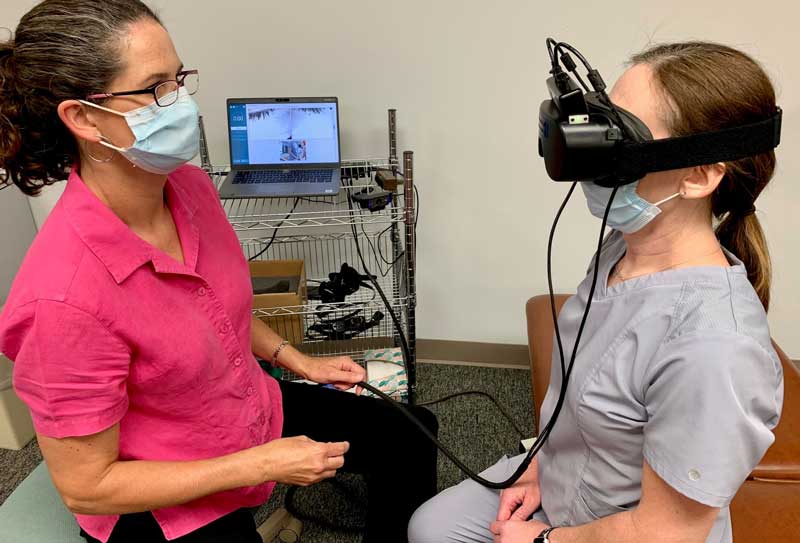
(283,344)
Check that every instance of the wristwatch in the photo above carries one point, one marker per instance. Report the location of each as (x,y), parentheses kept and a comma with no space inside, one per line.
(543,537)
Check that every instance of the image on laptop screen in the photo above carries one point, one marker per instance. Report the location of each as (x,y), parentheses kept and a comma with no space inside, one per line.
(283,134)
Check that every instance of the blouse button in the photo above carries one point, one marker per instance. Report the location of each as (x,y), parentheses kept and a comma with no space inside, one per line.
(238,361)
(223,329)
(250,391)
(201,291)
(261,420)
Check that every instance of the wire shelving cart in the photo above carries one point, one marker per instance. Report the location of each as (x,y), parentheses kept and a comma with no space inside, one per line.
(321,231)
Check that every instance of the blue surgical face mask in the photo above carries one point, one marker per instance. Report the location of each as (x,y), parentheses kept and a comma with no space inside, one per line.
(629,213)
(166,137)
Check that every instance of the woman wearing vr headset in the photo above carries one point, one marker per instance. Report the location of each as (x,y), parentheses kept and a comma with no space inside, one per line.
(130,319)
(676,387)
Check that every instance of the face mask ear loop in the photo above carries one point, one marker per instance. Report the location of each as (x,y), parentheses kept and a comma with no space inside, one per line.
(667,199)
(103,161)
(107,110)
(104,141)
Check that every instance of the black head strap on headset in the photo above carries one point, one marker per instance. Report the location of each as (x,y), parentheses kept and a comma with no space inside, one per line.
(637,159)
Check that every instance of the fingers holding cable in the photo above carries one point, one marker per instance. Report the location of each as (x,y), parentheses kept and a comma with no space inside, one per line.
(296,460)
(340,371)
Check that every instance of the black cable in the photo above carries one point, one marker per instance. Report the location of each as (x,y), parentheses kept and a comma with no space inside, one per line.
(575,52)
(275,232)
(392,314)
(393,263)
(372,247)
(571,67)
(318,201)
(597,84)
(580,80)
(502,409)
(550,271)
(380,252)
(551,43)
(383,232)
(545,433)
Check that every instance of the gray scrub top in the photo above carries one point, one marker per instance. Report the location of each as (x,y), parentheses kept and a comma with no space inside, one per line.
(675,368)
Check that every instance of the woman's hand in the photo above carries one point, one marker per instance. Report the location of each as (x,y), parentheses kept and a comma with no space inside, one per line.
(516,531)
(518,502)
(339,371)
(295,461)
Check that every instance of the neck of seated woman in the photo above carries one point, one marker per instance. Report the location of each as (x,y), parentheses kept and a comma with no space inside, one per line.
(669,243)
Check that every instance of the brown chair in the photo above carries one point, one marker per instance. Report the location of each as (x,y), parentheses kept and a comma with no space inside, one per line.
(767,506)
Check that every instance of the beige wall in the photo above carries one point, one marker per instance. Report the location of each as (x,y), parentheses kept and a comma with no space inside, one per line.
(467,78)
(17,230)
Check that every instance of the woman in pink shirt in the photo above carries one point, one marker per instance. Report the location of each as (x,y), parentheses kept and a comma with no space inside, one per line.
(130,321)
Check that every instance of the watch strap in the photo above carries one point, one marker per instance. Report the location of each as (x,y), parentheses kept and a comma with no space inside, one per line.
(543,537)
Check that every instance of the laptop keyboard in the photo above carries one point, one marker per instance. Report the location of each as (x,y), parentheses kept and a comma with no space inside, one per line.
(282,176)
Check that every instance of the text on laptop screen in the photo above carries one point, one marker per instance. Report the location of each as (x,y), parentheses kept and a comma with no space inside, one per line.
(283,134)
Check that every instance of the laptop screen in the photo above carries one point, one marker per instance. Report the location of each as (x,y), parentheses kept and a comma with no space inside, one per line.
(283,133)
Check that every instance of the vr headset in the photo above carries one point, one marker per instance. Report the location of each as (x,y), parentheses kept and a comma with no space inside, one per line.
(584,137)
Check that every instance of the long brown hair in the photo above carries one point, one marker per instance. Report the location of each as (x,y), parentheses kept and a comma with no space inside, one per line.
(709,87)
(62,49)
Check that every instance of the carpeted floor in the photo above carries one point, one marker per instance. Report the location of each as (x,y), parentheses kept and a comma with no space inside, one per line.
(471,426)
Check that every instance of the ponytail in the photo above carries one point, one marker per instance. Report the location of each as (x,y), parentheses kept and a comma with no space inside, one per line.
(742,235)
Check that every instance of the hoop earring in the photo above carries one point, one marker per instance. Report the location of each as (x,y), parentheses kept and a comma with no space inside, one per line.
(104,161)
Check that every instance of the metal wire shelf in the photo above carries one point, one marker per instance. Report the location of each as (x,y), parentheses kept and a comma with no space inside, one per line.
(247,214)
(319,231)
(288,321)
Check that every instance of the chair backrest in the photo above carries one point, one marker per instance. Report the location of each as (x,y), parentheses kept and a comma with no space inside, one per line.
(540,344)
(782,460)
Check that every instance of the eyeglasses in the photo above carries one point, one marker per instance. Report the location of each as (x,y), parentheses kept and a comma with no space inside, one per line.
(164,93)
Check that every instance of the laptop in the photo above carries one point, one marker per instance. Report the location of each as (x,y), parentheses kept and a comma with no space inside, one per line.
(283,147)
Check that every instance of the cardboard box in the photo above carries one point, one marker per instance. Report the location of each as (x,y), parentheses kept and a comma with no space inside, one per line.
(288,326)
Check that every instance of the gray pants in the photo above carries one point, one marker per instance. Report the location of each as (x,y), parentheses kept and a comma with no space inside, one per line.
(463,513)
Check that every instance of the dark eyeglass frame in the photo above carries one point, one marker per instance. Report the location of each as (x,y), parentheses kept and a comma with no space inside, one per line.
(180,77)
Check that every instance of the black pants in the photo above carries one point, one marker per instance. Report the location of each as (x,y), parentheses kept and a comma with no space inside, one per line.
(398,462)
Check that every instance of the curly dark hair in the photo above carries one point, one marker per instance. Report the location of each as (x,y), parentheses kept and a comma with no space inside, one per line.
(62,49)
